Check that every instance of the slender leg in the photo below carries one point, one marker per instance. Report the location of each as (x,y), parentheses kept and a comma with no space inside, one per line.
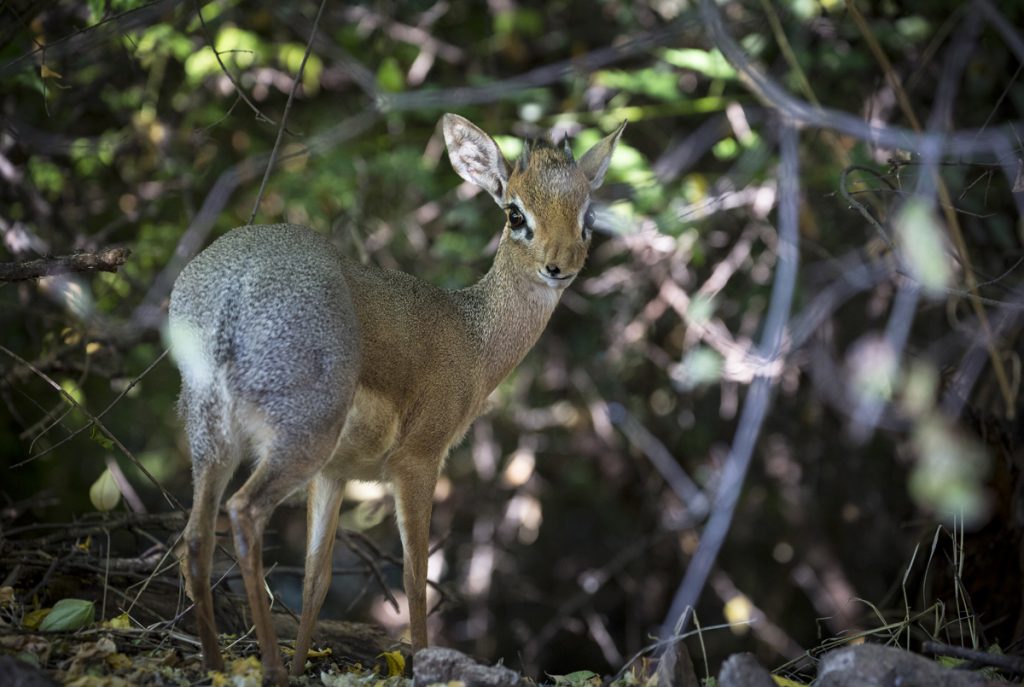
(210,477)
(322,510)
(275,477)
(414,493)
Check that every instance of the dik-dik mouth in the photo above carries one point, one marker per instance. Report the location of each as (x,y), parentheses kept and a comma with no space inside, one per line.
(556,282)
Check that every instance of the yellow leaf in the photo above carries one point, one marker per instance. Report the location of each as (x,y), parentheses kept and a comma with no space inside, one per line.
(92,347)
(319,653)
(246,672)
(218,679)
(395,662)
(104,493)
(786,682)
(33,619)
(119,661)
(240,666)
(6,595)
(47,73)
(120,622)
(738,611)
(83,546)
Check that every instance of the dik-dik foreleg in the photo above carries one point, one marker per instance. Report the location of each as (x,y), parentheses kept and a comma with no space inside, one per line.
(414,496)
(286,466)
(323,507)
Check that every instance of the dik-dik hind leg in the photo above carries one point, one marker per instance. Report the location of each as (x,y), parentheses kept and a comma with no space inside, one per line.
(210,476)
(323,507)
(277,475)
(414,496)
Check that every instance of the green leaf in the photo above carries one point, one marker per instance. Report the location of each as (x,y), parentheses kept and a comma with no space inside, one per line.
(923,244)
(949,475)
(580,678)
(96,8)
(390,77)
(526,22)
(701,310)
(100,438)
(657,83)
(700,366)
(68,615)
(710,63)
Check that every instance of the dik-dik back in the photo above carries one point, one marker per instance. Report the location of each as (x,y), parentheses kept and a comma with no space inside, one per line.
(324,370)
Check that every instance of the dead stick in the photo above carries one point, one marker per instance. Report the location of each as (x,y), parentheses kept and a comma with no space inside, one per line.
(106,260)
(1010,664)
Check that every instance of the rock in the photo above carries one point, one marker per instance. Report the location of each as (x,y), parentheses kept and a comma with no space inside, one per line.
(15,673)
(743,670)
(675,668)
(874,665)
(434,664)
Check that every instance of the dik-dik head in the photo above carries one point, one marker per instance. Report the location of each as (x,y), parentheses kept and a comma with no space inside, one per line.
(545,196)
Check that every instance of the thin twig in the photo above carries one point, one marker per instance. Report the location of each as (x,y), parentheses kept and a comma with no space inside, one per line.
(234,82)
(287,109)
(99,415)
(372,565)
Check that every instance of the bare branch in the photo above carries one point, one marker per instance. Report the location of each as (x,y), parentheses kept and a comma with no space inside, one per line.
(973,141)
(106,260)
(758,399)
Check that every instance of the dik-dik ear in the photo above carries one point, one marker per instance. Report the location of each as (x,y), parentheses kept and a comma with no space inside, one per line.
(475,155)
(594,162)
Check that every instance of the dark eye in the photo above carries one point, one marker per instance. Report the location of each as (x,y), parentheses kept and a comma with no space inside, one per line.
(516,220)
(588,222)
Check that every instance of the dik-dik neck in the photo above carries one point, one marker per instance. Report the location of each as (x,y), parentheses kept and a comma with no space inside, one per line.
(508,310)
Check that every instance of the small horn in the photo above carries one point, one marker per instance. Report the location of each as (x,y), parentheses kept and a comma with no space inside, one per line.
(524,158)
(566,148)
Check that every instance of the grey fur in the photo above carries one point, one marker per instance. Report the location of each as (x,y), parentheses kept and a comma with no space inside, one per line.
(268,312)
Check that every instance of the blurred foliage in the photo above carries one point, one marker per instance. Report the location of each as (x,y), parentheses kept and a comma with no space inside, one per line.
(562,544)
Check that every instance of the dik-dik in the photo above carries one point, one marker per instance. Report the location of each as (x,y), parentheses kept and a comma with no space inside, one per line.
(323,369)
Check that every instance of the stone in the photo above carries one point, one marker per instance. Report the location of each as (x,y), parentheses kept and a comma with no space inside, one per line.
(438,665)
(743,670)
(15,673)
(874,665)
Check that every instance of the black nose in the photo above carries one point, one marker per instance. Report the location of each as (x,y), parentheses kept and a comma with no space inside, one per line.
(554,270)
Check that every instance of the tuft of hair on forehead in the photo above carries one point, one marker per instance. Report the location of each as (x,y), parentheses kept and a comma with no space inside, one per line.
(543,151)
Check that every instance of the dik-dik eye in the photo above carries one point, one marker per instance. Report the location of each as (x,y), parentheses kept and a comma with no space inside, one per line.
(588,223)
(516,219)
